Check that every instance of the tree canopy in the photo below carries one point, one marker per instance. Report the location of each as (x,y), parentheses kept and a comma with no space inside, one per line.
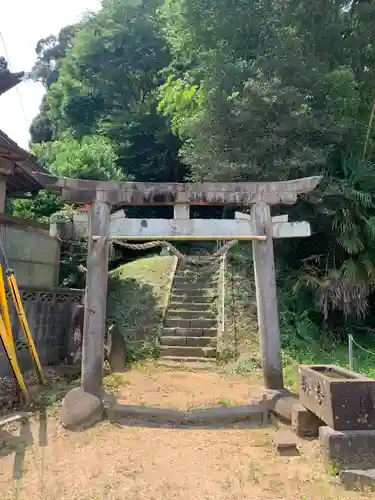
(177,90)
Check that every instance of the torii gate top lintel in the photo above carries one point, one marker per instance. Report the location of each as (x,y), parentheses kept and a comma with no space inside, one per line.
(154,193)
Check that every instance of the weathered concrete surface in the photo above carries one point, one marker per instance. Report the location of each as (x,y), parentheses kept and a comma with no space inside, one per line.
(272,396)
(80,410)
(230,415)
(266,296)
(345,401)
(285,441)
(348,449)
(153,193)
(304,422)
(358,479)
(148,414)
(95,300)
(174,229)
(204,416)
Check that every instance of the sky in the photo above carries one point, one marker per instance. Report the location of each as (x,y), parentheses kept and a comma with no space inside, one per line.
(22,24)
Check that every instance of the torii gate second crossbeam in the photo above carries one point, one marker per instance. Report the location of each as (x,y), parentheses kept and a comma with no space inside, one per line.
(258,227)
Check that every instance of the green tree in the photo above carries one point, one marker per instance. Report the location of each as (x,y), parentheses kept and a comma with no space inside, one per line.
(106,85)
(93,157)
(276,102)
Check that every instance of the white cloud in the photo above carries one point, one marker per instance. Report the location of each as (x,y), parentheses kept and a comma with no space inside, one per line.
(22,24)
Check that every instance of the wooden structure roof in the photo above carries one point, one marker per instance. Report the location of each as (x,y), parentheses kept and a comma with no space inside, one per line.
(22,179)
(9,80)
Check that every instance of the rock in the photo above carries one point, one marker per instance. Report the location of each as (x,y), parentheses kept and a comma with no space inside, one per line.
(347,450)
(304,422)
(354,479)
(80,409)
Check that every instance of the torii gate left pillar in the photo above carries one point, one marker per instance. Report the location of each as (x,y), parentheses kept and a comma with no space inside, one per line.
(95,299)
(103,195)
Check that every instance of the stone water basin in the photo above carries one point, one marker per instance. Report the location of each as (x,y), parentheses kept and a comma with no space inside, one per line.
(343,399)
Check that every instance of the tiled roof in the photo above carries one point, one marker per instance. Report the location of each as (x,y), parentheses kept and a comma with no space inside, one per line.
(25,163)
(9,80)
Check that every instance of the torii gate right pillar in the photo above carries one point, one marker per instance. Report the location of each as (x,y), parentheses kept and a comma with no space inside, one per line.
(266,295)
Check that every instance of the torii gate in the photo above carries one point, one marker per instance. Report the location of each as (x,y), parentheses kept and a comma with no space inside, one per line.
(259,227)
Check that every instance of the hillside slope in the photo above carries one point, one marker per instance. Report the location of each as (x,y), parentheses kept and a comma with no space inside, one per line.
(137,300)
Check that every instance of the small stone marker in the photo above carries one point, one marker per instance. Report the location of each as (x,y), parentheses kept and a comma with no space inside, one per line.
(116,349)
(285,441)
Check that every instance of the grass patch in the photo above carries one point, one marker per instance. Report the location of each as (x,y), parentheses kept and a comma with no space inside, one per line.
(114,381)
(137,301)
(303,341)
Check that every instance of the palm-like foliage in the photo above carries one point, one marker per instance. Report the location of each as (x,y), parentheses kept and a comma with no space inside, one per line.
(343,275)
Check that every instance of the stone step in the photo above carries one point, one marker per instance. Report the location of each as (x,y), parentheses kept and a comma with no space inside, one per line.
(204,274)
(188,298)
(190,332)
(186,314)
(188,306)
(191,288)
(190,323)
(198,281)
(192,361)
(188,341)
(189,352)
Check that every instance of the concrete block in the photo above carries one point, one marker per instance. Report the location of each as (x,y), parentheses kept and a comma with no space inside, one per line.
(201,341)
(229,415)
(172,313)
(189,299)
(190,323)
(173,340)
(347,450)
(148,414)
(205,416)
(180,306)
(194,352)
(285,441)
(304,422)
(358,479)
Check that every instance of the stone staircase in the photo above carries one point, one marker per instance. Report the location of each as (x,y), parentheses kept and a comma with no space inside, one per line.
(190,325)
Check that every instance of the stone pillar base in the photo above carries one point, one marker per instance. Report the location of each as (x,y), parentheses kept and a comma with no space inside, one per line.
(347,450)
(81,410)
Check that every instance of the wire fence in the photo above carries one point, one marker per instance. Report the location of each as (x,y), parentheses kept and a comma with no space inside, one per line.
(353,359)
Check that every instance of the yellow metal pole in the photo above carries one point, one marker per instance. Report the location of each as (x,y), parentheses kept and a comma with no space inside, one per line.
(4,304)
(25,326)
(10,352)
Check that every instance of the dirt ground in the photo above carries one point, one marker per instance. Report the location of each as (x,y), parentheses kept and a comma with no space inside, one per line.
(114,462)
